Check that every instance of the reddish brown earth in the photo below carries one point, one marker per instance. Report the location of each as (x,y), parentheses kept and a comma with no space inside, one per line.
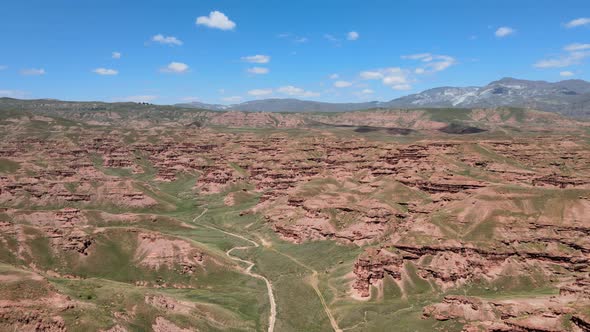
(506,211)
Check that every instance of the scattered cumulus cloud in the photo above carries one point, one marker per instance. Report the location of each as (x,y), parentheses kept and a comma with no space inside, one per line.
(105,71)
(401,87)
(334,76)
(576,53)
(441,62)
(33,72)
(294,38)
(394,77)
(504,31)
(577,47)
(294,91)
(578,22)
(331,38)
(564,61)
(260,92)
(398,78)
(167,40)
(342,84)
(432,62)
(116,55)
(258,70)
(419,56)
(336,40)
(216,20)
(256,58)
(300,40)
(353,35)
(566,74)
(2,67)
(175,68)
(371,75)
(367,91)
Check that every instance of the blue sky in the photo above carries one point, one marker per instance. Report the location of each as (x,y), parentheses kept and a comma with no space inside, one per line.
(236,50)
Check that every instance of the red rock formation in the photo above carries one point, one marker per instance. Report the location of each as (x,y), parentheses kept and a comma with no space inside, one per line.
(372,266)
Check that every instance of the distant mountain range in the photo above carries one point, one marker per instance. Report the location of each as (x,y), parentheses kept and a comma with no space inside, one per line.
(286,105)
(569,97)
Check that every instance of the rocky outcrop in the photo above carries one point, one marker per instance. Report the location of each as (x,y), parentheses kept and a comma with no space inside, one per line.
(155,251)
(372,266)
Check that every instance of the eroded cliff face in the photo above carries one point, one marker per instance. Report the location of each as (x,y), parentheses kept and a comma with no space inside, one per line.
(372,266)
(544,313)
(30,303)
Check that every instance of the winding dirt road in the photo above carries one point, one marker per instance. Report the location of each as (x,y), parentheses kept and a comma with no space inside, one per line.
(273,306)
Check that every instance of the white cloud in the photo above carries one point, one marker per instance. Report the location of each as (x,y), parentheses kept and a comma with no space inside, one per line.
(342,84)
(504,31)
(293,38)
(105,71)
(573,58)
(13,94)
(367,91)
(260,92)
(402,78)
(256,58)
(116,55)
(33,72)
(566,74)
(334,76)
(166,40)
(258,70)
(190,99)
(2,67)
(441,62)
(576,54)
(434,62)
(371,75)
(577,47)
(295,91)
(394,77)
(137,99)
(300,40)
(232,99)
(578,22)
(419,56)
(331,38)
(176,68)
(216,20)
(402,87)
(353,35)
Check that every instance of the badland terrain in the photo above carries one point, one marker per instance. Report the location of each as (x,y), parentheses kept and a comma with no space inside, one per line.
(132,217)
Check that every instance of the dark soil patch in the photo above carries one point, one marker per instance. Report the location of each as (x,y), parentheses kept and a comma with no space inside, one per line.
(455,128)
